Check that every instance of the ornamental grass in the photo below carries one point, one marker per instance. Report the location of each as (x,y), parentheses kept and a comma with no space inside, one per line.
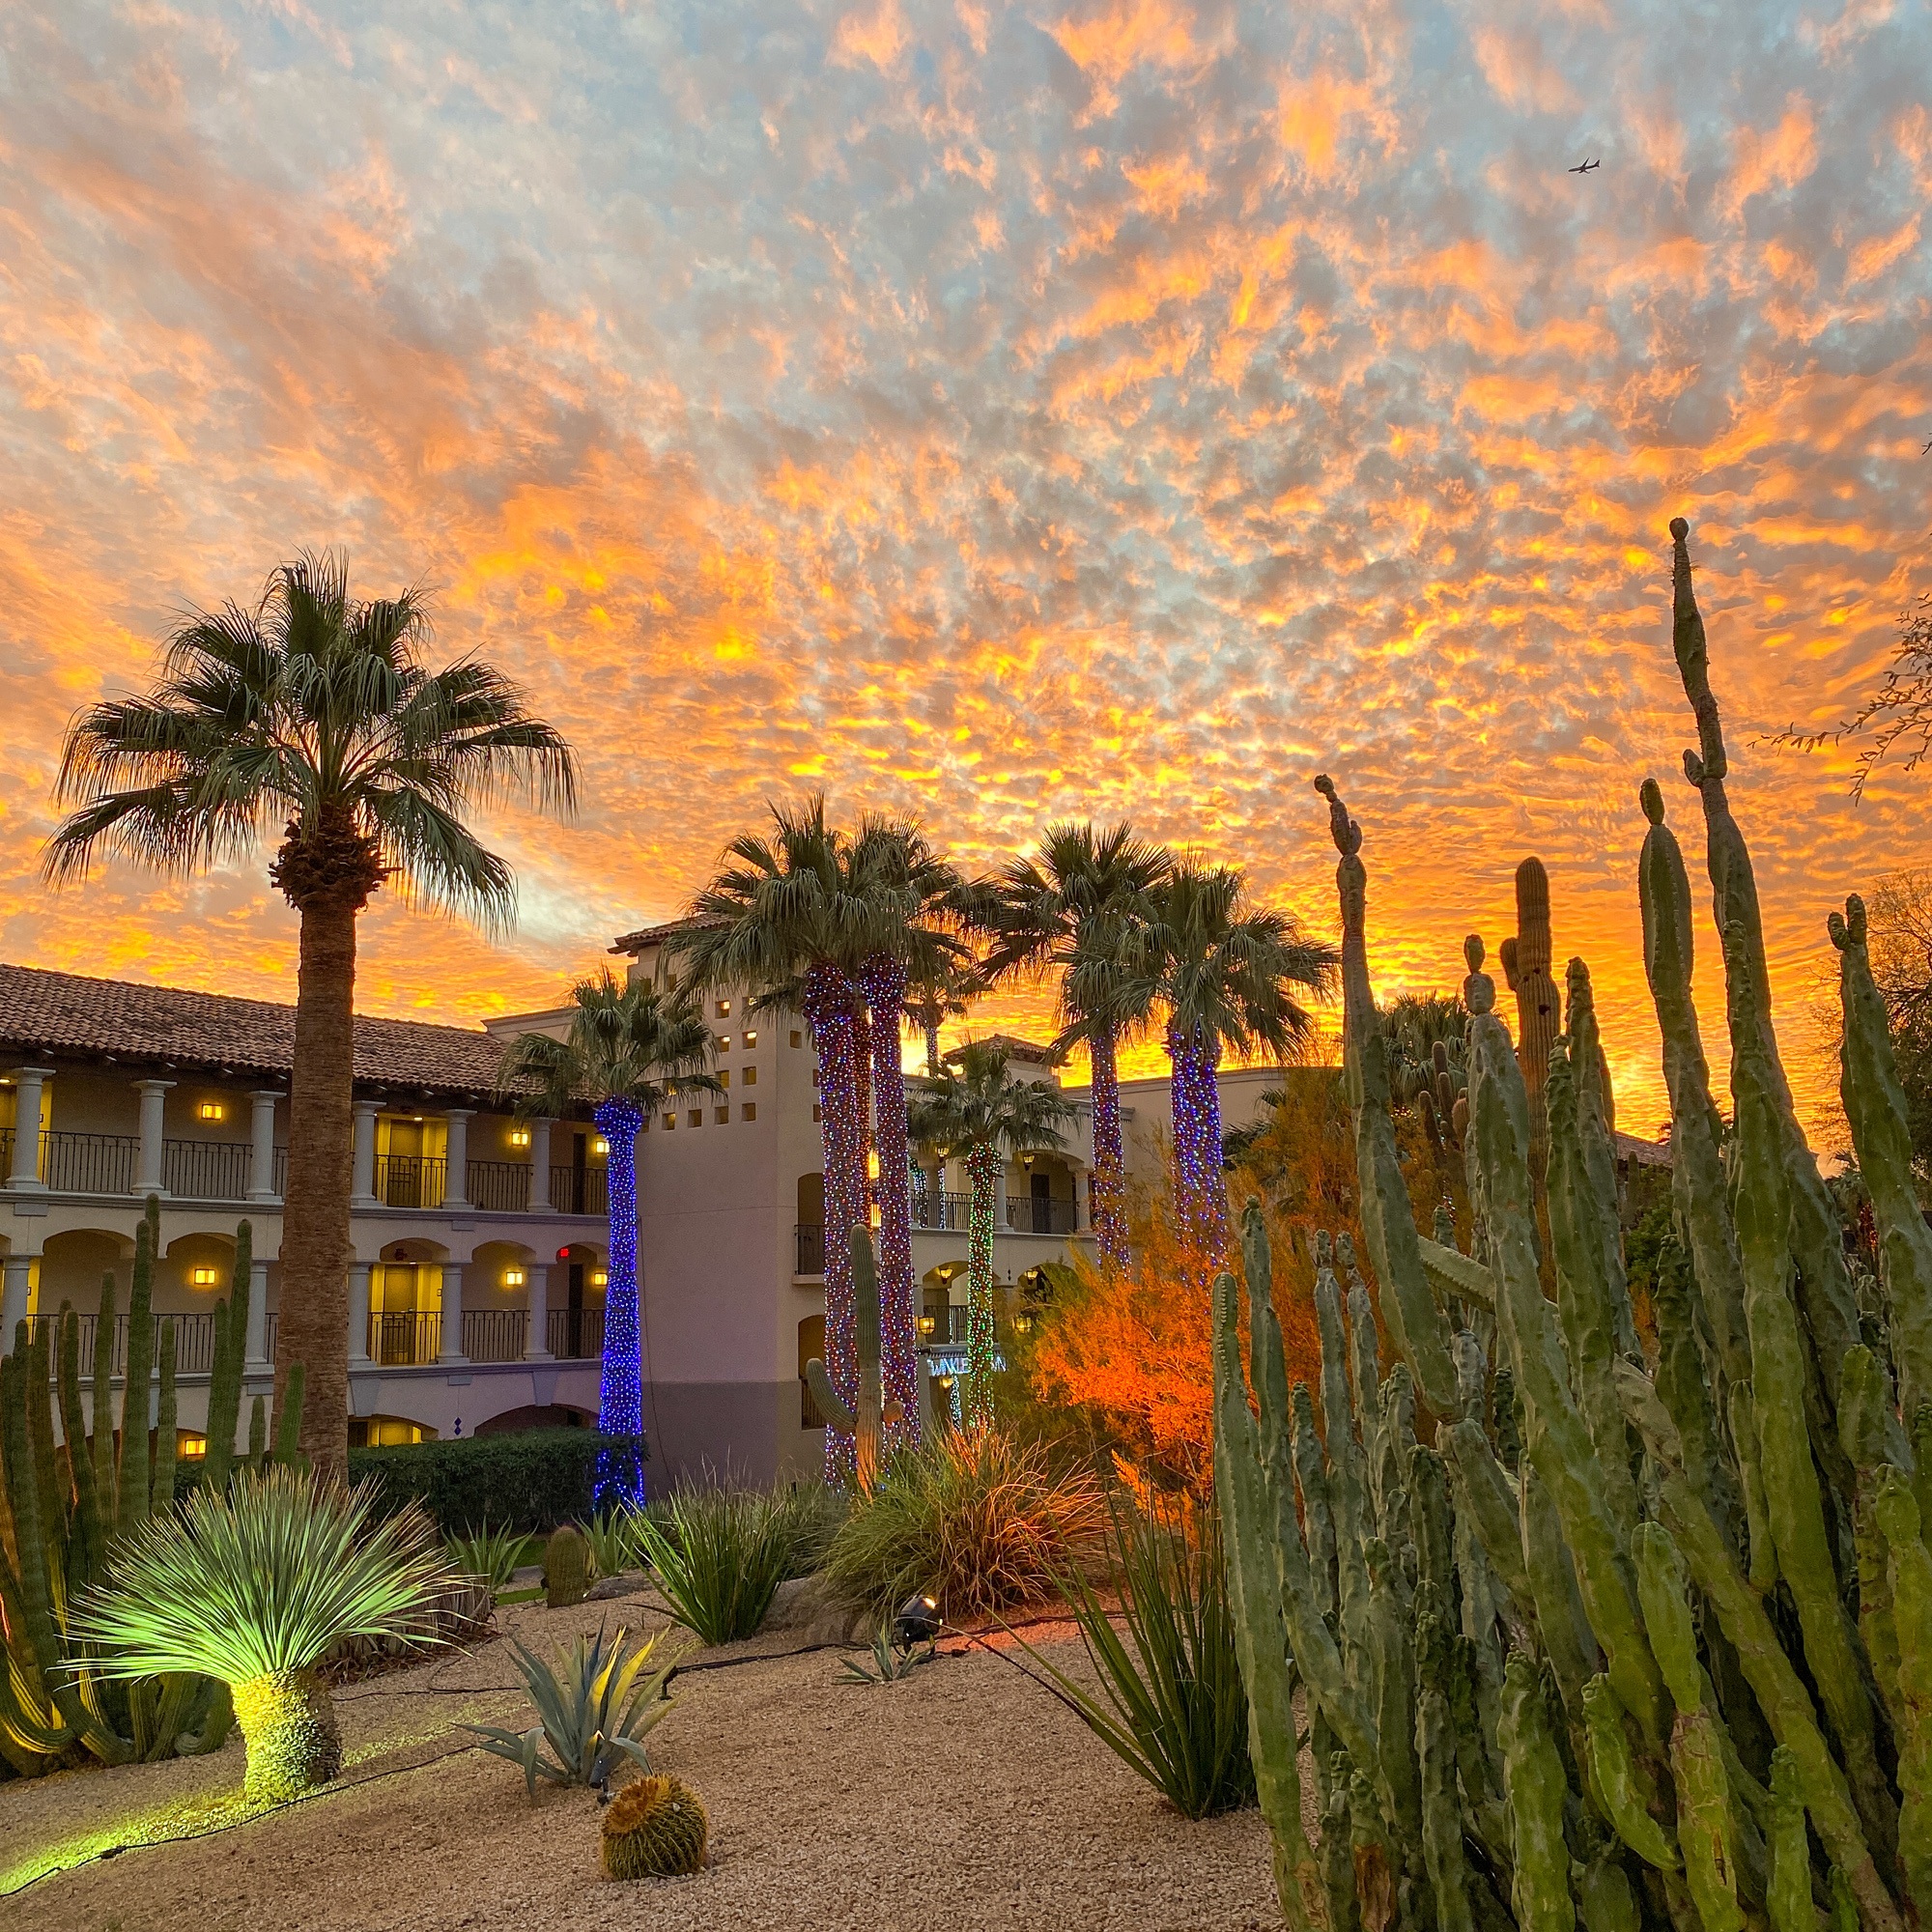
(254,1588)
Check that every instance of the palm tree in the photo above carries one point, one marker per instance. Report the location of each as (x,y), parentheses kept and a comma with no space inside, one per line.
(945,991)
(915,896)
(978,1116)
(315,711)
(1073,907)
(628,1051)
(790,924)
(1220,970)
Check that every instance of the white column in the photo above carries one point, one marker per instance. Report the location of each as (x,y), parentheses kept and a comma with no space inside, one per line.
(29,1090)
(539,1167)
(358,1316)
(452,1313)
(536,1337)
(261,1162)
(1000,1203)
(456,1169)
(363,1187)
(13,1299)
(256,1353)
(153,1101)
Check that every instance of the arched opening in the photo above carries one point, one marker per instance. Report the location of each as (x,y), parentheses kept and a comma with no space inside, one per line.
(808,1228)
(405,1304)
(537,1416)
(576,1315)
(811,1348)
(942,1311)
(386,1432)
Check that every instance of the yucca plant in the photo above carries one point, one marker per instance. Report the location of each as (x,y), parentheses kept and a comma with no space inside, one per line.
(493,1556)
(611,1537)
(253,1587)
(980,1521)
(1171,1702)
(594,1703)
(720,1557)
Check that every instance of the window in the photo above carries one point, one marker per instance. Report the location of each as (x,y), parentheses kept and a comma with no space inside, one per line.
(723,1010)
(670,1120)
(797,1037)
(720,1115)
(724,1042)
(189,1444)
(696,1118)
(750,1078)
(724,1076)
(751,1040)
(814,1076)
(748,1111)
(814,1110)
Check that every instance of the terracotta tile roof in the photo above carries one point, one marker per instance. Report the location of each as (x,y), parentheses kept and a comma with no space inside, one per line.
(64,1013)
(634,943)
(1031,1051)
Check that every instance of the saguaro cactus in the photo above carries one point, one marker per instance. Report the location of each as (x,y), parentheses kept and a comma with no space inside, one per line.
(866,1418)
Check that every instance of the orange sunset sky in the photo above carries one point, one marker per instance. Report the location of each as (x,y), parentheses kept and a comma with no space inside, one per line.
(992,414)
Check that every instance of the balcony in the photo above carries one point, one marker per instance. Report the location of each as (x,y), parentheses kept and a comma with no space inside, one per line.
(809,1248)
(940,1212)
(194,1342)
(404,1340)
(1037,1216)
(496,1187)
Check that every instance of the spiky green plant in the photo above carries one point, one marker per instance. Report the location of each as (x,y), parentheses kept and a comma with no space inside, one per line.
(253,1587)
(720,1557)
(655,1827)
(889,1662)
(493,1556)
(594,1705)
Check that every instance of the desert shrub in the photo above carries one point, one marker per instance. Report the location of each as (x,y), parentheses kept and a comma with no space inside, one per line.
(1171,1703)
(493,1556)
(720,1557)
(980,1521)
(532,1480)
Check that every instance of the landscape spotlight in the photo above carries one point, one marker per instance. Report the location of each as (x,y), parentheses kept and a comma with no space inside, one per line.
(918,1622)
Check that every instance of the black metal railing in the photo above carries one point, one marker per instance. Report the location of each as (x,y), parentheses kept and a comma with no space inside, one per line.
(580,1190)
(206,1170)
(269,1321)
(403,1339)
(575,1334)
(938,1211)
(499,1186)
(409,1180)
(948,1326)
(194,1341)
(494,1334)
(1033,1216)
(809,1248)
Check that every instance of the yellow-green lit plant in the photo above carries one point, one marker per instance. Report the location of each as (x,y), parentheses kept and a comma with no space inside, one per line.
(253,1587)
(594,1704)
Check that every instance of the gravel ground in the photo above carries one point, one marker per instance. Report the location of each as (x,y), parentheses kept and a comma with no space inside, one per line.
(961,1798)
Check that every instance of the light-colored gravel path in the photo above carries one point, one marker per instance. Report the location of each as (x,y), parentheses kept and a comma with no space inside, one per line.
(962,1799)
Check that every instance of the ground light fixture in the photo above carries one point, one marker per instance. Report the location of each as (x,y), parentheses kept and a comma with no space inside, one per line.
(918,1621)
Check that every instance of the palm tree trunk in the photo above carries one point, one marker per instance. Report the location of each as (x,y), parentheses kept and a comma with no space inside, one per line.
(929,1017)
(1110,1223)
(312,1326)
(884,988)
(1200,1190)
(982,1170)
(827,1011)
(620,1385)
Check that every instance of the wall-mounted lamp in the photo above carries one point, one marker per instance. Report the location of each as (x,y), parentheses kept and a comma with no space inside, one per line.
(519,1137)
(600,1278)
(925,1325)
(210,1110)
(1023,1323)
(600,1145)
(204,1277)
(514,1277)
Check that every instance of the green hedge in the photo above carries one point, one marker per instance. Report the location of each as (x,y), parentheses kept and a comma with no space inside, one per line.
(532,1479)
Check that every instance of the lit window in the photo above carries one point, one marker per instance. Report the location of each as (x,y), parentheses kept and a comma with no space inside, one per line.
(670,1123)
(695,1117)
(725,1043)
(600,1145)
(724,1076)
(514,1277)
(519,1137)
(723,1115)
(723,1010)
(797,1037)
(204,1277)
(750,1041)
(748,1111)
(212,1110)
(814,1110)
(751,1076)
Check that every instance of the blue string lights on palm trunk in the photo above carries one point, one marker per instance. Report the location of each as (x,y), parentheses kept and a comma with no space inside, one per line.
(621,1391)
(828,1010)
(1200,1191)
(885,989)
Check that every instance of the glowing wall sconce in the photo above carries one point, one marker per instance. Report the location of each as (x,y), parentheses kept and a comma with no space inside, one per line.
(600,1278)
(925,1325)
(514,1277)
(600,1145)
(210,1110)
(519,1137)
(204,1277)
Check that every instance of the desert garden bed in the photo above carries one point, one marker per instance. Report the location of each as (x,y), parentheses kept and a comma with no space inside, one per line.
(963,1797)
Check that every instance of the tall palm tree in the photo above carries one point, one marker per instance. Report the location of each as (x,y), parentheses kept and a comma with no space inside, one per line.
(943,991)
(980,1117)
(1074,907)
(313,710)
(628,1051)
(789,924)
(1219,970)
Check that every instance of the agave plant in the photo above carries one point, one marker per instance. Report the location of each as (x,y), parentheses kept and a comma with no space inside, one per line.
(493,1556)
(595,1704)
(255,1586)
(889,1662)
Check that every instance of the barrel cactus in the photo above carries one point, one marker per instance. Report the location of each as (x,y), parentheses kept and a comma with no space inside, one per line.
(566,1566)
(654,1827)
(1592,1631)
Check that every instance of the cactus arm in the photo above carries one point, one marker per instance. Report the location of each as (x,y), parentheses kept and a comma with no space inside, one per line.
(1491,1505)
(1757,1507)
(130,1504)
(1537,1786)
(1788,1896)
(1347,1497)
(1559,1444)
(258,1433)
(1910,1567)
(1561,1619)
(1684,1382)
(1435,1753)
(1392,1683)
(1388,1224)
(1619,1782)
(837,1415)
(1311,1477)
(1255,1597)
(1875,1105)
(79,1460)
(101,1406)
(231,1347)
(1452,1274)
(168,1442)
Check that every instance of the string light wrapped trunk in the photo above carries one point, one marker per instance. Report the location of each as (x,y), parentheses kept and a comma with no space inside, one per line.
(982,1170)
(829,1011)
(620,1383)
(1200,1195)
(885,990)
(1110,1227)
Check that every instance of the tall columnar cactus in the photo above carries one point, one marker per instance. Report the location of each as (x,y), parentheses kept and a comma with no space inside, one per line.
(63,1508)
(865,1419)
(1528,961)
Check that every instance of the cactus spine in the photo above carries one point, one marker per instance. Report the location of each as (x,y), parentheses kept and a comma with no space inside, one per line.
(865,1419)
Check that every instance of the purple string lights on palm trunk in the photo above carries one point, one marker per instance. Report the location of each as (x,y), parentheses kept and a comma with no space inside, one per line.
(828,1009)
(621,1391)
